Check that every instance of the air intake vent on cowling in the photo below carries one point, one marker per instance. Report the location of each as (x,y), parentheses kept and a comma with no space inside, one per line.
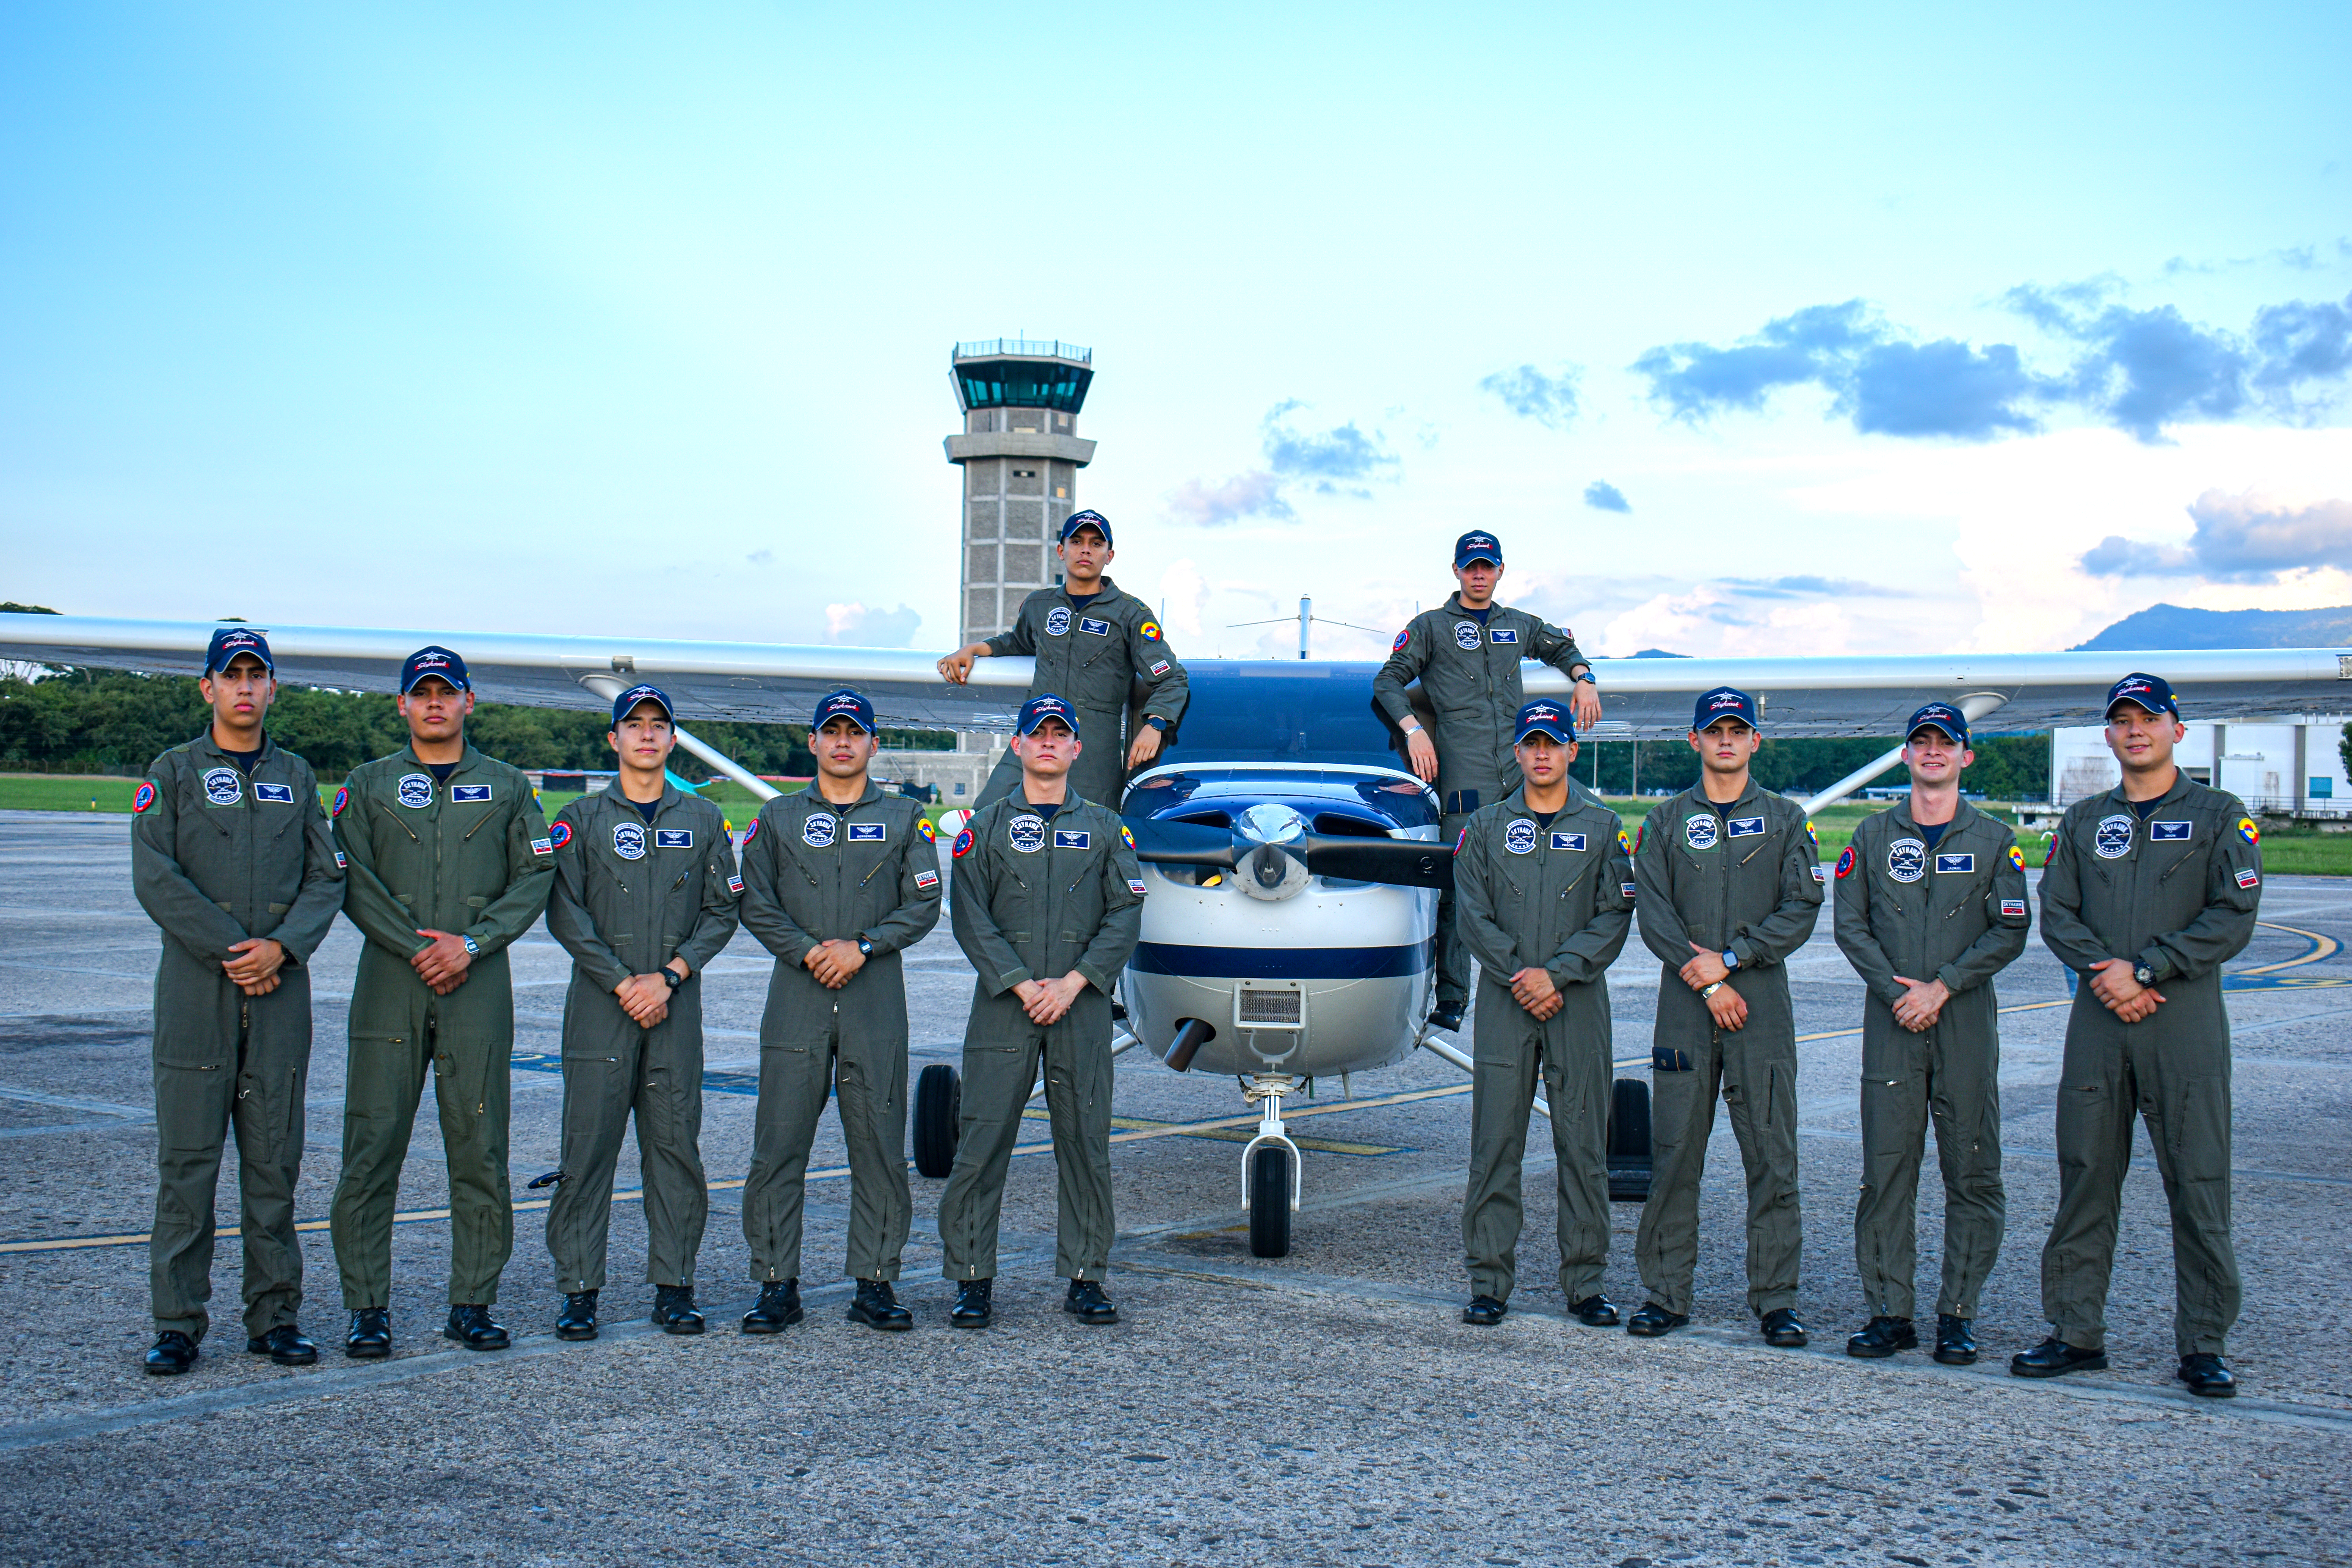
(1270,1010)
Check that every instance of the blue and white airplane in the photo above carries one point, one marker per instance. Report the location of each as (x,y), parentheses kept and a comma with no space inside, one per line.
(1289,933)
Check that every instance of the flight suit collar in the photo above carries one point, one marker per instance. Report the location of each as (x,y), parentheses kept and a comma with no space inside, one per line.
(467,762)
(1515,803)
(1110,594)
(1700,799)
(670,795)
(816,801)
(205,745)
(1454,605)
(2180,783)
(1960,818)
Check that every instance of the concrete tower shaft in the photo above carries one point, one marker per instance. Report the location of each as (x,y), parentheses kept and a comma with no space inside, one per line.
(1021,453)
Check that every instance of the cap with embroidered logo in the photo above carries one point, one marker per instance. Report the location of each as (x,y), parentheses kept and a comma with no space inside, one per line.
(432,660)
(1544,718)
(230,641)
(844,704)
(1478,545)
(1941,716)
(627,704)
(2151,693)
(1093,519)
(1044,705)
(1724,702)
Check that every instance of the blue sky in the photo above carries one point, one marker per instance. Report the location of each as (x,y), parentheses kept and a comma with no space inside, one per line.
(1879,330)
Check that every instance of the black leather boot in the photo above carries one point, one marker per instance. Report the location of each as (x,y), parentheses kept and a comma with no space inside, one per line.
(1446,1015)
(1883,1337)
(779,1307)
(173,1354)
(471,1325)
(1955,1342)
(1653,1320)
(674,1311)
(1595,1312)
(1088,1303)
(285,1345)
(371,1335)
(578,1319)
(974,1304)
(2053,1357)
(2207,1376)
(878,1307)
(1484,1311)
(1782,1330)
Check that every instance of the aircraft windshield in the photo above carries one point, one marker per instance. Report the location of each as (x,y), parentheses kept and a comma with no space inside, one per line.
(1263,711)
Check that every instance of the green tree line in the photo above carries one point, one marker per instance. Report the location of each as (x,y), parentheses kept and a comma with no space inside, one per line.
(2008,767)
(87,720)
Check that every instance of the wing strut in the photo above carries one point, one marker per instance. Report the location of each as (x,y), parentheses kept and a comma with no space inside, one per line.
(1975,706)
(608,687)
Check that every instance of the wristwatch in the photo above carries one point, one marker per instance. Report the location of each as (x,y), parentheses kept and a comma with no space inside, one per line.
(1730,958)
(865,948)
(671,977)
(473,948)
(1710,989)
(1585,675)
(2144,974)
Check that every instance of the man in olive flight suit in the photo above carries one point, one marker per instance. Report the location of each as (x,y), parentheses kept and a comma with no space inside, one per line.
(451,862)
(1466,655)
(1930,906)
(645,898)
(1092,643)
(1048,905)
(838,880)
(1730,886)
(230,856)
(1546,890)
(2148,891)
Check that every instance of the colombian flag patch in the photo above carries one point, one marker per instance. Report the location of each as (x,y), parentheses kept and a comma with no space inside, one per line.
(1812,837)
(1149,631)
(1624,841)
(1125,832)
(924,826)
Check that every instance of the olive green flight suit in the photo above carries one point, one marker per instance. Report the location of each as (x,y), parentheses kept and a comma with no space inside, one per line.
(1090,658)
(1471,675)
(1956,912)
(2178,892)
(814,872)
(1037,900)
(217,858)
(470,857)
(1748,880)
(1559,899)
(629,896)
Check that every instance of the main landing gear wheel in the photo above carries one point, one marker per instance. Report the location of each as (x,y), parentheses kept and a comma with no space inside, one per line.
(1269,1204)
(938,1117)
(1629,1142)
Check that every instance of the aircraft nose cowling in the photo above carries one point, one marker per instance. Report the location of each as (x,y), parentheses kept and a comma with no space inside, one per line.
(1275,867)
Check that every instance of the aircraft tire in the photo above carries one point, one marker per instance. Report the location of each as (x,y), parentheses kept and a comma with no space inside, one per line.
(1629,1142)
(1269,1179)
(938,1118)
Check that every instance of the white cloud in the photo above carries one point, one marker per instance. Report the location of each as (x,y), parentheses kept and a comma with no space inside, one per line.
(858,626)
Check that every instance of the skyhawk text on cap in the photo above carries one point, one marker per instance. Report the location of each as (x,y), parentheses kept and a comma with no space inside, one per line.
(2151,692)
(1044,705)
(1079,520)
(230,641)
(1724,702)
(627,704)
(432,660)
(844,704)
(1478,545)
(1942,716)
(1541,718)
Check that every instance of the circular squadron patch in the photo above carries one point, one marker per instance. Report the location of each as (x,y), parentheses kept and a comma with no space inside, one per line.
(818,829)
(1465,636)
(143,797)
(1026,833)
(417,791)
(1520,837)
(2113,839)
(559,833)
(1700,830)
(1058,621)
(629,840)
(224,786)
(1906,859)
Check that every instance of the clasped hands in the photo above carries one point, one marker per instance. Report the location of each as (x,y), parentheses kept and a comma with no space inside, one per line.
(2126,998)
(1726,1006)
(255,968)
(833,962)
(646,997)
(1047,1000)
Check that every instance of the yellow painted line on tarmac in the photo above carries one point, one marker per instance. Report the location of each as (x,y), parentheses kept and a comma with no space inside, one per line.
(2323,947)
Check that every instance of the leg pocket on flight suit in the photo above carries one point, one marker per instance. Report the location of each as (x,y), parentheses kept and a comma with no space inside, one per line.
(2195,1117)
(369,1077)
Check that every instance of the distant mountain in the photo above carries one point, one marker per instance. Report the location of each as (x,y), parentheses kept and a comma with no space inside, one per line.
(2170,627)
(1659,653)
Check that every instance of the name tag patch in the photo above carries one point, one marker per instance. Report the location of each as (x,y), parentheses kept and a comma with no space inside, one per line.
(1700,830)
(817,831)
(868,832)
(1906,859)
(459,794)
(224,786)
(2161,831)
(2249,877)
(1058,621)
(1503,634)
(927,879)
(629,840)
(1956,863)
(1094,628)
(1026,833)
(280,794)
(417,791)
(672,837)
(1520,837)
(1567,841)
(1073,838)
(2013,906)
(1745,826)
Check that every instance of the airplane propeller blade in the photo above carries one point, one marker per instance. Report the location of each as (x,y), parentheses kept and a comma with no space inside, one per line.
(1183,843)
(1404,862)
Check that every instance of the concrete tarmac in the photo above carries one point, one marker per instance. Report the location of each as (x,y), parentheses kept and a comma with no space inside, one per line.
(1325,1407)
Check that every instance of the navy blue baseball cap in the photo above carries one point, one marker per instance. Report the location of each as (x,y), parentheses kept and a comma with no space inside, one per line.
(2152,692)
(1942,716)
(432,660)
(1724,702)
(1478,545)
(844,704)
(1544,717)
(1093,519)
(230,641)
(627,704)
(1044,705)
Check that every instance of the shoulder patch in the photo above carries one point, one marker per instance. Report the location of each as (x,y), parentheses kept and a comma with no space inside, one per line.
(2248,831)
(751,832)
(559,833)
(1161,666)
(924,826)
(340,863)
(1149,631)
(2248,877)
(1126,834)
(144,796)
(1402,638)
(1629,889)
(342,799)
(1812,837)
(1640,833)
(1135,886)
(544,845)
(927,879)
(1623,842)
(2013,908)
(1460,839)
(735,884)
(962,843)
(2017,856)
(1845,862)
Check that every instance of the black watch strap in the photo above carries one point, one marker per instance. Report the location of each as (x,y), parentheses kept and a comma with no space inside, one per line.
(671,977)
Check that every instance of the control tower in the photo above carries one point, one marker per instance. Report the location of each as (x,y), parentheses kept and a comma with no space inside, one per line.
(1021,455)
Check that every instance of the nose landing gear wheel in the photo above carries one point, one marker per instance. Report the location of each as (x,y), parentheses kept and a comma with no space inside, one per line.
(939,1115)
(1629,1142)
(1269,1204)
